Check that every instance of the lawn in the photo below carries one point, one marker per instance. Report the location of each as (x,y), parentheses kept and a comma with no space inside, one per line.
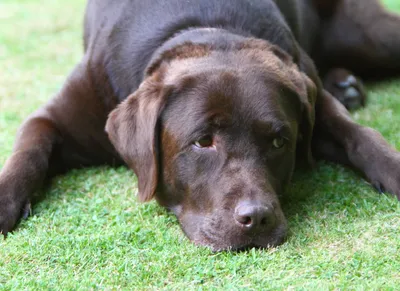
(91,233)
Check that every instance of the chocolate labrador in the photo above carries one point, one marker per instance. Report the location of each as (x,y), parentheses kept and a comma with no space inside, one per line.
(212,103)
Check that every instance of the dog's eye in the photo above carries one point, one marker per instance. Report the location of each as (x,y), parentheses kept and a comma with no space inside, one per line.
(278,142)
(204,142)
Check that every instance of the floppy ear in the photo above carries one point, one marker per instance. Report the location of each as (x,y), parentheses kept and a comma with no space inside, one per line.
(308,98)
(133,130)
(305,81)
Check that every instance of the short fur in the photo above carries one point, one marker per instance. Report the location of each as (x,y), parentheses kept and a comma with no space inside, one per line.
(212,103)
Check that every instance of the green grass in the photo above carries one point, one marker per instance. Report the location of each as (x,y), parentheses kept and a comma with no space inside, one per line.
(91,233)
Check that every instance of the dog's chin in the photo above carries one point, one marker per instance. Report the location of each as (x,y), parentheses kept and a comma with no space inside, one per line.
(243,243)
(222,237)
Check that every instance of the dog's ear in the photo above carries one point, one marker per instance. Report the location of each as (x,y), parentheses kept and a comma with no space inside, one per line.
(306,127)
(307,92)
(302,78)
(305,82)
(133,130)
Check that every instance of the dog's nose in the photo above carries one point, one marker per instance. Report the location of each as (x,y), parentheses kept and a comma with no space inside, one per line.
(254,216)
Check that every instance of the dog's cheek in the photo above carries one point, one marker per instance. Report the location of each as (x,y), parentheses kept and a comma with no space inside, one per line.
(282,171)
(175,174)
(193,182)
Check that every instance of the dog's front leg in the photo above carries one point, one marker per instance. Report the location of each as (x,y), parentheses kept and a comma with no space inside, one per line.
(26,169)
(67,132)
(365,148)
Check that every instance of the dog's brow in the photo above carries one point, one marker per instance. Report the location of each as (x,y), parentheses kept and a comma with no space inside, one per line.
(272,127)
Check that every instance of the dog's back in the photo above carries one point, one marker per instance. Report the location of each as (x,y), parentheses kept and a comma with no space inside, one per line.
(133,29)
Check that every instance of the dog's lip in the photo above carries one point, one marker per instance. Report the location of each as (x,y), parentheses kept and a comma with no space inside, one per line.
(201,230)
(277,236)
(176,209)
(244,246)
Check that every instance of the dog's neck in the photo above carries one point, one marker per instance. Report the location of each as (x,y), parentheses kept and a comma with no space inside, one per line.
(214,38)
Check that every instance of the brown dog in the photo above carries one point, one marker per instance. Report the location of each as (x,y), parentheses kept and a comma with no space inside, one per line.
(217,101)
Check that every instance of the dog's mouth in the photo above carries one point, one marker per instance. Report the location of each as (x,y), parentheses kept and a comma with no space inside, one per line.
(228,237)
(239,244)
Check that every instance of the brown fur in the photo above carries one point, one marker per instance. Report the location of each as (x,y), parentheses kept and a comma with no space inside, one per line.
(211,103)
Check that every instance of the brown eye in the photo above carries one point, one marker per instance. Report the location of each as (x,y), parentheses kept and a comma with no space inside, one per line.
(278,142)
(204,142)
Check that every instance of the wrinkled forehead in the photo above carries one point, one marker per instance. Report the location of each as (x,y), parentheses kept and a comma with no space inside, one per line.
(226,98)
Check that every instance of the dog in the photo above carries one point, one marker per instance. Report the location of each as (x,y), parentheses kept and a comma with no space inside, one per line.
(212,104)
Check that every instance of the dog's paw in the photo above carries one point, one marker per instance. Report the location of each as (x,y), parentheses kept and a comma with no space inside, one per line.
(386,179)
(345,87)
(11,213)
(12,209)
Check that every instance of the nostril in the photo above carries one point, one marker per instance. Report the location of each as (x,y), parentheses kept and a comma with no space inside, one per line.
(245,220)
(253,215)
(263,221)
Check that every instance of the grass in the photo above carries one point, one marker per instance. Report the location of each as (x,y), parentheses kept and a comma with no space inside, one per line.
(91,233)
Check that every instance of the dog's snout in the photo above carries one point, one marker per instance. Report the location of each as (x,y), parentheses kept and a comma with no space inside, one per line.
(254,216)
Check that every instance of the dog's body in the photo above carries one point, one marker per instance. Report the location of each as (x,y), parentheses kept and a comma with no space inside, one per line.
(220,100)
(147,26)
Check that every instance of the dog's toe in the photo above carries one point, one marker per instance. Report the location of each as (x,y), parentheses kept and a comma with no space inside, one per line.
(26,211)
(352,98)
(345,87)
(378,186)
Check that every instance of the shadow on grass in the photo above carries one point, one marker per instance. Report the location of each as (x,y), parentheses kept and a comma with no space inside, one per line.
(333,189)
(329,188)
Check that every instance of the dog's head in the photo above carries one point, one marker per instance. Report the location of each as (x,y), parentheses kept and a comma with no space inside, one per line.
(213,135)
